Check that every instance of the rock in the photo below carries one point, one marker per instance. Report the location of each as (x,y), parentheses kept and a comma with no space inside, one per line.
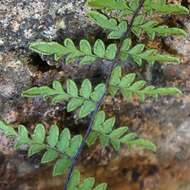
(14,77)
(179,44)
(28,20)
(164,121)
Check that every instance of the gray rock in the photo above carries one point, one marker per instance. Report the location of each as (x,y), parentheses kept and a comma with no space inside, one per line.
(24,21)
(165,121)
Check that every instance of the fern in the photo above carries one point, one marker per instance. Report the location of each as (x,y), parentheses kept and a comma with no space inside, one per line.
(87,184)
(138,54)
(161,6)
(109,4)
(104,130)
(129,87)
(129,7)
(70,51)
(152,28)
(57,146)
(85,99)
(117,29)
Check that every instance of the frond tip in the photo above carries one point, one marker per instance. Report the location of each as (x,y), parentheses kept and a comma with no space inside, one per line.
(138,54)
(130,88)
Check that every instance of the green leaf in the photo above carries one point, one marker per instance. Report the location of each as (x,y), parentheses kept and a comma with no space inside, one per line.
(108,125)
(126,44)
(137,49)
(104,140)
(115,76)
(170,9)
(61,166)
(74,180)
(127,138)
(92,138)
(85,47)
(167,58)
(39,133)
(99,119)
(113,90)
(121,29)
(111,52)
(127,80)
(87,184)
(58,86)
(38,91)
(102,186)
(23,135)
(143,143)
(137,85)
(69,43)
(74,145)
(118,133)
(109,4)
(87,60)
(102,20)
(86,108)
(98,92)
(127,94)
(72,88)
(99,48)
(74,103)
(7,130)
(23,138)
(86,89)
(134,4)
(60,98)
(49,48)
(168,91)
(117,30)
(166,31)
(53,135)
(116,144)
(64,140)
(35,148)
(49,156)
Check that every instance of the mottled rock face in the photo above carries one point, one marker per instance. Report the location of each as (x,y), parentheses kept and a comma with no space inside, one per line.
(24,21)
(165,121)
(181,45)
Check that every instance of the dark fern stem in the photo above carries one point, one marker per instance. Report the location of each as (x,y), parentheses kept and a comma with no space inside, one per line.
(99,104)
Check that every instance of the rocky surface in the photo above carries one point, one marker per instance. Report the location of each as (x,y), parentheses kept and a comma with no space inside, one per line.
(24,21)
(165,121)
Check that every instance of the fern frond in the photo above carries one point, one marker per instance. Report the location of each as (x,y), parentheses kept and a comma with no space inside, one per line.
(117,30)
(138,54)
(161,6)
(103,129)
(87,184)
(152,28)
(71,52)
(108,4)
(55,145)
(130,88)
(84,99)
(128,8)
